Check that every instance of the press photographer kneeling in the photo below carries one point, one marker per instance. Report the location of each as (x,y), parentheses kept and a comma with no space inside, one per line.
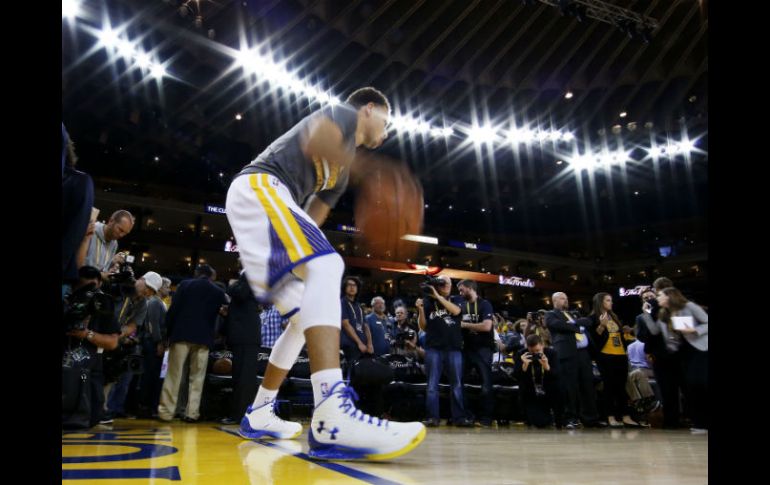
(90,327)
(537,374)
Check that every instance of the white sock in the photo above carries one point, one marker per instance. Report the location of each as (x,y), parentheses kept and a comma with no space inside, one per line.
(264,396)
(323,381)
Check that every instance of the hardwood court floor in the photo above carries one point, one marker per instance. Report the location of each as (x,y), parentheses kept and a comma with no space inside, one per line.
(138,452)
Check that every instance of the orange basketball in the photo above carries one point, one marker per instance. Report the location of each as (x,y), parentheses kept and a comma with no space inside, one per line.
(389,204)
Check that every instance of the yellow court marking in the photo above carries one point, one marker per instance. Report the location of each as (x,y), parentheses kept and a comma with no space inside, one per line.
(204,455)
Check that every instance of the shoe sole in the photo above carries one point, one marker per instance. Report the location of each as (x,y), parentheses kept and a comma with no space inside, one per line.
(266,435)
(337,453)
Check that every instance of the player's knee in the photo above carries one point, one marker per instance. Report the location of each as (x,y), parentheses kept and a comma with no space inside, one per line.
(329,266)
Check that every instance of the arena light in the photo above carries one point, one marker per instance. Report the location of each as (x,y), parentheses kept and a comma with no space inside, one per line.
(126,49)
(420,239)
(108,37)
(656,151)
(583,162)
(482,134)
(70,9)
(143,61)
(158,71)
(520,135)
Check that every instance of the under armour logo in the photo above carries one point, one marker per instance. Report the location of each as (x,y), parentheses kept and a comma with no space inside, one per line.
(332,433)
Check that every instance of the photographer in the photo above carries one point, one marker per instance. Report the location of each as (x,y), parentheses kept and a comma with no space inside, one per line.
(103,246)
(405,339)
(152,347)
(439,318)
(89,319)
(536,371)
(479,343)
(536,326)
(126,361)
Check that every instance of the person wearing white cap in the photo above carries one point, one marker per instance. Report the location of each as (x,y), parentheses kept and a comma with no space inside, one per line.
(135,327)
(152,346)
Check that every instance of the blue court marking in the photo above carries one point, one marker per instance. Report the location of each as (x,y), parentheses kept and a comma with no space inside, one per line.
(169,473)
(145,450)
(363,476)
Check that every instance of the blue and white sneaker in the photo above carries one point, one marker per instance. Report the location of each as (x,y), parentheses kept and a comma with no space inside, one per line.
(262,423)
(340,431)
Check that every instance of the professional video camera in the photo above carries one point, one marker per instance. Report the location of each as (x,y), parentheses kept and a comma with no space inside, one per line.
(84,303)
(433,281)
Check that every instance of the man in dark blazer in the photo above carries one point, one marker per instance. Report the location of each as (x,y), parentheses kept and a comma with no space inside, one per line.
(243,332)
(191,325)
(570,340)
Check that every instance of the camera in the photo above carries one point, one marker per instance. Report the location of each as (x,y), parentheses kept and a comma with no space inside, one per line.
(83,303)
(402,337)
(536,316)
(431,281)
(536,356)
(125,274)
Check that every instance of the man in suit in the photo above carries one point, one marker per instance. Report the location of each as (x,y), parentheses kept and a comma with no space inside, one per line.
(191,325)
(243,332)
(570,340)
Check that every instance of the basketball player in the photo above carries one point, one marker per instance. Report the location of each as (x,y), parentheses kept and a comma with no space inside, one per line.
(289,262)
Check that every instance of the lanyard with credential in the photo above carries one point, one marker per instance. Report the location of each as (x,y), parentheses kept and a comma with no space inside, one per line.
(475,309)
(122,310)
(359,318)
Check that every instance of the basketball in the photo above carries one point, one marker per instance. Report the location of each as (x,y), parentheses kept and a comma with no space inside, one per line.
(389,204)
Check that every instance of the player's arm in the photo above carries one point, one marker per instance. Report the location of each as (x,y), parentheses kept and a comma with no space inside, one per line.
(324,140)
(318,210)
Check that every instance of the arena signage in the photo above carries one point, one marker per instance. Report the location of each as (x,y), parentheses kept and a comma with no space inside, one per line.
(212,209)
(638,290)
(350,229)
(516,281)
(471,245)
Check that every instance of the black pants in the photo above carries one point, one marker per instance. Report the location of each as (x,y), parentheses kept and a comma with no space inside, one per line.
(614,370)
(149,381)
(538,408)
(695,371)
(97,389)
(481,358)
(577,385)
(245,384)
(670,378)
